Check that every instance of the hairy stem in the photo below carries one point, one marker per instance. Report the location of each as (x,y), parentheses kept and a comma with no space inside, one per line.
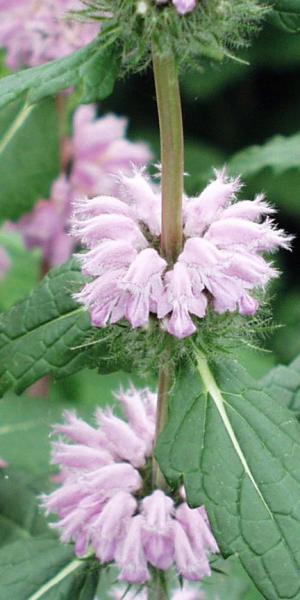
(172,162)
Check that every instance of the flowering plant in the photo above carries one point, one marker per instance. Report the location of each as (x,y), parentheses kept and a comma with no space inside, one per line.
(196,475)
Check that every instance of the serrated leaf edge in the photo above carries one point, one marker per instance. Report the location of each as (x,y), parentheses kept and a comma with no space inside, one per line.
(41,325)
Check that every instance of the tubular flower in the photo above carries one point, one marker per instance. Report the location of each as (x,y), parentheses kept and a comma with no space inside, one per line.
(221,263)
(101,500)
(37,31)
(97,150)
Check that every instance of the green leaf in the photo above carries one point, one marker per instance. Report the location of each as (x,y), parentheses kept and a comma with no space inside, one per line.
(286,15)
(40,335)
(99,75)
(78,70)
(238,452)
(283,384)
(20,515)
(24,271)
(29,155)
(45,569)
(279,154)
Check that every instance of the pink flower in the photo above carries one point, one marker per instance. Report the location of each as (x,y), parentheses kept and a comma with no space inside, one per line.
(132,559)
(139,407)
(110,527)
(117,253)
(181,300)
(80,456)
(45,226)
(129,282)
(157,511)
(97,151)
(144,198)
(108,227)
(121,440)
(34,32)
(102,298)
(142,286)
(101,500)
(221,263)
(79,431)
(184,6)
(100,150)
(244,235)
(195,523)
(189,563)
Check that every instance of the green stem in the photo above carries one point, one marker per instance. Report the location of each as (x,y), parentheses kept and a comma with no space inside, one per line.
(164,385)
(172,153)
(172,163)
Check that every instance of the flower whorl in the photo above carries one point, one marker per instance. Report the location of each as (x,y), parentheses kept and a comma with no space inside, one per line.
(102,501)
(220,265)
